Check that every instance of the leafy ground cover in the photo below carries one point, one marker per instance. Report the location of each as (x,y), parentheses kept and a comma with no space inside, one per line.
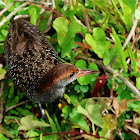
(101,35)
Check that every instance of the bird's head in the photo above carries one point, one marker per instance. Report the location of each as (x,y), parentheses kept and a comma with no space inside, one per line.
(63,74)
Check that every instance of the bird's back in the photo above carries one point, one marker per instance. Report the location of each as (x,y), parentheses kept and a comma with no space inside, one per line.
(29,55)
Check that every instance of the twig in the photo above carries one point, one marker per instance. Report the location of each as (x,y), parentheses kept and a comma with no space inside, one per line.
(134,130)
(21,16)
(3,3)
(66,133)
(48,27)
(86,18)
(4,104)
(11,107)
(13,13)
(110,108)
(131,33)
(17,122)
(81,23)
(38,2)
(133,100)
(136,38)
(111,71)
(104,98)
(89,29)
(47,8)
(83,45)
(5,9)
(113,86)
(109,39)
(93,11)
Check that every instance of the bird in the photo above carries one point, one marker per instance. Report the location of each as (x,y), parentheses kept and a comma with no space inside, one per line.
(33,64)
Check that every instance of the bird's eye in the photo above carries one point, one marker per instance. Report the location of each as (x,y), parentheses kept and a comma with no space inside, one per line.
(71,74)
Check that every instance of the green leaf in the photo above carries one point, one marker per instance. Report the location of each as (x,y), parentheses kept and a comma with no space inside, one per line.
(84,88)
(98,42)
(53,125)
(1,48)
(28,123)
(61,26)
(125,94)
(5,132)
(2,38)
(99,34)
(4,32)
(120,120)
(135,106)
(12,8)
(102,102)
(133,63)
(96,46)
(65,34)
(69,38)
(92,111)
(109,56)
(81,64)
(2,73)
(138,120)
(127,136)
(26,112)
(66,109)
(106,22)
(85,80)
(34,13)
(32,133)
(66,96)
(120,50)
(82,80)
(82,110)
(79,120)
(93,66)
(132,4)
(43,24)
(2,137)
(126,14)
(57,123)
(73,98)
(109,122)
(11,91)
(104,133)
(76,87)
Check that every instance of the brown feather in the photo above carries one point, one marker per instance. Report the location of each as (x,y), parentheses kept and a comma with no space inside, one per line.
(29,55)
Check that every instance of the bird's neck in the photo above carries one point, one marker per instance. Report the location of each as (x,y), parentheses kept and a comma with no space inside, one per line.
(49,81)
(51,93)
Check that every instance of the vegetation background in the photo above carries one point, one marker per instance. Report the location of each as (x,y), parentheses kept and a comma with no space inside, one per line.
(95,34)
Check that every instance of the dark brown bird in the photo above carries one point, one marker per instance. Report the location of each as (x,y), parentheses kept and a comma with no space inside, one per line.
(33,65)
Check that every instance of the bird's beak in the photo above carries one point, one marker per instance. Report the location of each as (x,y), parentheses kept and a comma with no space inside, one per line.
(83,72)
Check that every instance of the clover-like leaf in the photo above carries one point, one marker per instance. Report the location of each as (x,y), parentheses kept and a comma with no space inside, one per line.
(98,42)
(85,80)
(28,123)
